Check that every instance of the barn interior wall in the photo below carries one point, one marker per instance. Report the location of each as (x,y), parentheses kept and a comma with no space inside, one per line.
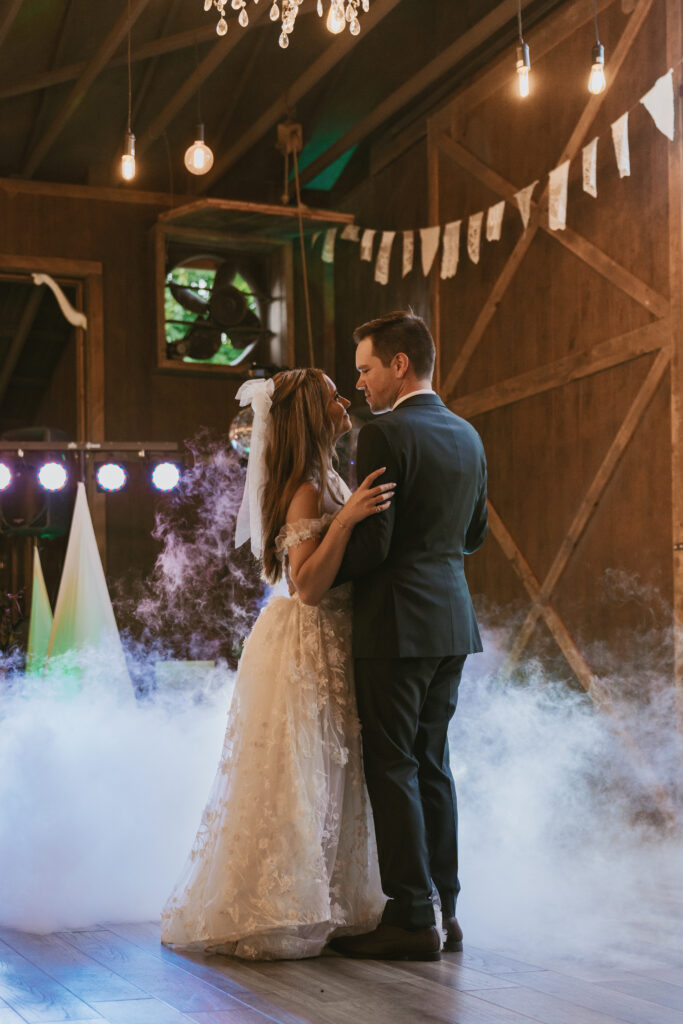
(545,450)
(141,404)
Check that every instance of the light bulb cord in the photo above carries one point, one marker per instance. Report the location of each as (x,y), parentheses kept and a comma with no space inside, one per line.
(130,79)
(595,21)
(519,21)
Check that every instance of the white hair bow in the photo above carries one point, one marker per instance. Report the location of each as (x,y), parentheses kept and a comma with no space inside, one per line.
(257,394)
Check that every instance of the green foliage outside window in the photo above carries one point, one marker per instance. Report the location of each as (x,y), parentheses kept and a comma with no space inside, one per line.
(178,319)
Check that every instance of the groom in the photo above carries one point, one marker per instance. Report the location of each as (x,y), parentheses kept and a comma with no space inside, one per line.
(413,627)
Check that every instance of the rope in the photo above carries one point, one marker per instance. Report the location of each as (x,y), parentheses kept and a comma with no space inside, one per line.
(299,208)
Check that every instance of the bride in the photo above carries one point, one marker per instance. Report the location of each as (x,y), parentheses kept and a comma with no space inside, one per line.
(285,853)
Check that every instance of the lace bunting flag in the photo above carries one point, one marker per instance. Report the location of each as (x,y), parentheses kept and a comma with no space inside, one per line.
(590,167)
(408,251)
(494,221)
(328,245)
(366,244)
(351,233)
(523,200)
(659,103)
(557,197)
(429,238)
(315,238)
(383,257)
(620,140)
(451,250)
(474,236)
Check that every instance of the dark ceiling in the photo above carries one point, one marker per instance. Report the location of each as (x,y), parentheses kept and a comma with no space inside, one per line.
(64,87)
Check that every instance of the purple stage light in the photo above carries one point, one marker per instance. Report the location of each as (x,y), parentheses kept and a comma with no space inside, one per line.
(165,476)
(52,476)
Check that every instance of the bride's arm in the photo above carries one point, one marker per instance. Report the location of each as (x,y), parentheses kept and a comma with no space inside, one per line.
(314,563)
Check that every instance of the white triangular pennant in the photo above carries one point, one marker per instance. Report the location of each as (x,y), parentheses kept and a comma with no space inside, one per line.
(328,245)
(590,167)
(474,236)
(494,221)
(659,103)
(451,250)
(351,233)
(383,257)
(366,241)
(408,251)
(620,140)
(557,197)
(429,238)
(523,200)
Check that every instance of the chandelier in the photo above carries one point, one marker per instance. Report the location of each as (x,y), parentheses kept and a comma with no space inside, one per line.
(340,14)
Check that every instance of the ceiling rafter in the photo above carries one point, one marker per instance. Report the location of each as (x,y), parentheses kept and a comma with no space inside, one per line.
(204,69)
(7,20)
(93,68)
(41,104)
(318,69)
(148,51)
(465,45)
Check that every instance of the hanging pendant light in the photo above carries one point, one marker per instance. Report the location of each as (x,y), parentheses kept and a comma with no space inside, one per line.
(198,156)
(128,158)
(523,65)
(596,80)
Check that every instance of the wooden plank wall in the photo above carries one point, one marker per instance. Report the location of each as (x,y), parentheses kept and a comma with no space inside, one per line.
(557,344)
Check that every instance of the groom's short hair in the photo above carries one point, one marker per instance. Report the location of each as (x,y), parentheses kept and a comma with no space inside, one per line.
(401,331)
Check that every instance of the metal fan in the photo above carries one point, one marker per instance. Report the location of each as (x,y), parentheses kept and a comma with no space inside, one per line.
(226,311)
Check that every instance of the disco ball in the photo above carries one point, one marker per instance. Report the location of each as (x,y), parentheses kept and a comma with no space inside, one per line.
(240,431)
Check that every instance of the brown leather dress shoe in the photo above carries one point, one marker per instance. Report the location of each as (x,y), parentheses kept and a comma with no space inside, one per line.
(389,942)
(453,940)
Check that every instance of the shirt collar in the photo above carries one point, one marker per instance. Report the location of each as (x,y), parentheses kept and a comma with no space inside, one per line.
(422,391)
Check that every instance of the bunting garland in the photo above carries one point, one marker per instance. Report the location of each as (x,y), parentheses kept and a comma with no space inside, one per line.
(659,102)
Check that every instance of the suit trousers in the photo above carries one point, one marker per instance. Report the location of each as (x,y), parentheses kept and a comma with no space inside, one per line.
(405,705)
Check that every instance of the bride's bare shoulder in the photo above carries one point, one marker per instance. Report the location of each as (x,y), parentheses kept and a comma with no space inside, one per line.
(305,504)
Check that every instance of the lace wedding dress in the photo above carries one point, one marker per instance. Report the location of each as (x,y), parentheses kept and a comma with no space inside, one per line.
(285,853)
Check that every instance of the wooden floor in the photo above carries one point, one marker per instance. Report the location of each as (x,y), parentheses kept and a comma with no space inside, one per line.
(121,974)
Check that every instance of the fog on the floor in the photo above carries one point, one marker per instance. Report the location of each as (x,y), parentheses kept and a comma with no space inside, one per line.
(561,849)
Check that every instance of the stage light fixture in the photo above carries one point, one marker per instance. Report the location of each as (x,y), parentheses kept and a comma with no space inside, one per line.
(52,476)
(165,476)
(111,476)
(5,476)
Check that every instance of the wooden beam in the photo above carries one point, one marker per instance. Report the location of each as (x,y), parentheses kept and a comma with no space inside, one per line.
(15,186)
(575,659)
(592,498)
(85,80)
(589,253)
(674,42)
(577,366)
(7,20)
(589,113)
(41,104)
(458,51)
(20,335)
(212,60)
(148,51)
(328,59)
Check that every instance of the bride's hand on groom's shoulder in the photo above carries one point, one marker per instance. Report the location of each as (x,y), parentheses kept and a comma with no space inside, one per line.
(368,500)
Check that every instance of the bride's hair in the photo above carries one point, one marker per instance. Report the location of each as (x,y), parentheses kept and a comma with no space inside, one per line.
(300,448)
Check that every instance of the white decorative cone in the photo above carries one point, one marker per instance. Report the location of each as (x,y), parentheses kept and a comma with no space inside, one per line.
(84,618)
(40,623)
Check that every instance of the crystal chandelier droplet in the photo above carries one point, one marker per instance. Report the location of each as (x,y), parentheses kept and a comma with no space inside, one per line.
(340,14)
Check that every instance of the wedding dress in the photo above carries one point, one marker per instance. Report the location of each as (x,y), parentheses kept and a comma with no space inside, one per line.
(285,854)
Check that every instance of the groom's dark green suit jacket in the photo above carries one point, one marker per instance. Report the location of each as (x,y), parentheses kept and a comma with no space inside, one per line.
(410,596)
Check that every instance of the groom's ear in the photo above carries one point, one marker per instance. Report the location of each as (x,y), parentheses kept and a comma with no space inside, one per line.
(401,364)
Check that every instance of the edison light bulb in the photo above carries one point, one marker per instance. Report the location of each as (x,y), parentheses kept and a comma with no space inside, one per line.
(198,156)
(596,81)
(336,20)
(523,67)
(128,158)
